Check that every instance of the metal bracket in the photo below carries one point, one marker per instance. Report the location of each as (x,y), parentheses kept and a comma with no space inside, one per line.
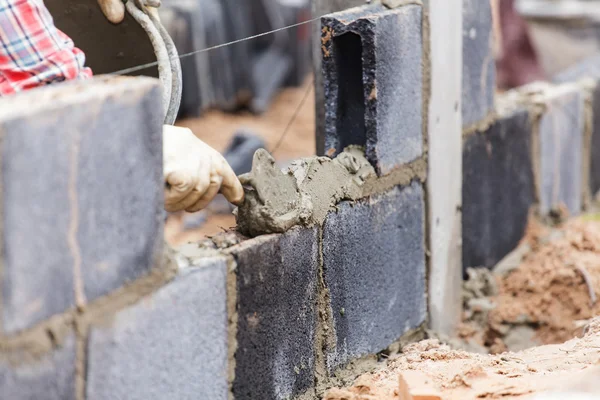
(169,66)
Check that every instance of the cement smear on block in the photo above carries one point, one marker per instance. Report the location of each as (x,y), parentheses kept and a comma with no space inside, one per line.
(277,200)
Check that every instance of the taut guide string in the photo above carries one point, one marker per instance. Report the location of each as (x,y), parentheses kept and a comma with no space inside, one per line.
(181,56)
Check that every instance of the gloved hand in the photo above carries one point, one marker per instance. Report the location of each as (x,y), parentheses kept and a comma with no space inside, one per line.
(114,10)
(194,172)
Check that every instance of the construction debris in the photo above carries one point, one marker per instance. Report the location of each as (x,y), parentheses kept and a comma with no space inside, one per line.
(432,370)
(543,288)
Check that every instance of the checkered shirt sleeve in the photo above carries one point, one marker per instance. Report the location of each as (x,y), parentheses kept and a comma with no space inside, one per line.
(33,52)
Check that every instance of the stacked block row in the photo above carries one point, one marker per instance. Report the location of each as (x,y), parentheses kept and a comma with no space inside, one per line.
(276,316)
(498,187)
(185,339)
(273,317)
(530,152)
(587,75)
(370,256)
(535,159)
(245,321)
(81,195)
(373,83)
(73,166)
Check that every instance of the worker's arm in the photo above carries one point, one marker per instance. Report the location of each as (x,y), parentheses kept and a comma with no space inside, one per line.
(33,52)
(195,173)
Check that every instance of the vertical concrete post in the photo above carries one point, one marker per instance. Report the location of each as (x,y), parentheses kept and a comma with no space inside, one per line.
(445,163)
(320,8)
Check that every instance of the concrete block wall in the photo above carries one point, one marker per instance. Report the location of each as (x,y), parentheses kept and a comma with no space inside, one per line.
(498,187)
(82,228)
(63,152)
(106,311)
(534,159)
(374,269)
(527,153)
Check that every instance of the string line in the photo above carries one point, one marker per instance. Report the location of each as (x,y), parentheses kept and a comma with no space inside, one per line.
(155,63)
(294,116)
(181,56)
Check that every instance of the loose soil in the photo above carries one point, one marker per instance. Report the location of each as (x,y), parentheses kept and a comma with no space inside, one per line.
(432,371)
(542,293)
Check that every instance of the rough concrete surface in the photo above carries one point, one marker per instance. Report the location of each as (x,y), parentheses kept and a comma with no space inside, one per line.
(275,200)
(85,216)
(374,265)
(479,69)
(276,305)
(498,188)
(51,377)
(173,343)
(561,137)
(319,9)
(368,102)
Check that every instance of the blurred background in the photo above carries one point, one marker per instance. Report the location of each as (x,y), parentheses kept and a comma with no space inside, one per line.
(261,92)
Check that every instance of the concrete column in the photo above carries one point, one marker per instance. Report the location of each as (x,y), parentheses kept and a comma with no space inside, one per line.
(445,163)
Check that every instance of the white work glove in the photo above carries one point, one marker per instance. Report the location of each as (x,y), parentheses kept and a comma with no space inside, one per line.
(114,10)
(195,173)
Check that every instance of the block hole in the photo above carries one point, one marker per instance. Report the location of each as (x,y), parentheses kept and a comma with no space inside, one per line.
(347,50)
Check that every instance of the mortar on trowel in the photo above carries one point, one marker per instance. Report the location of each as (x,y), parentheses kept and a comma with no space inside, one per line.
(302,194)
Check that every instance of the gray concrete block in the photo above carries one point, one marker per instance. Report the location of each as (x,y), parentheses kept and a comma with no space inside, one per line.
(373,83)
(374,263)
(561,131)
(595,146)
(82,193)
(172,344)
(51,377)
(498,189)
(319,9)
(479,68)
(276,303)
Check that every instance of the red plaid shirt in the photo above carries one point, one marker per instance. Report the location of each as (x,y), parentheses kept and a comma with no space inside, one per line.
(33,52)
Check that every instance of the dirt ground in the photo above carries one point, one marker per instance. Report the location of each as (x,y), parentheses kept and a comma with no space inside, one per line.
(217,128)
(544,294)
(432,371)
